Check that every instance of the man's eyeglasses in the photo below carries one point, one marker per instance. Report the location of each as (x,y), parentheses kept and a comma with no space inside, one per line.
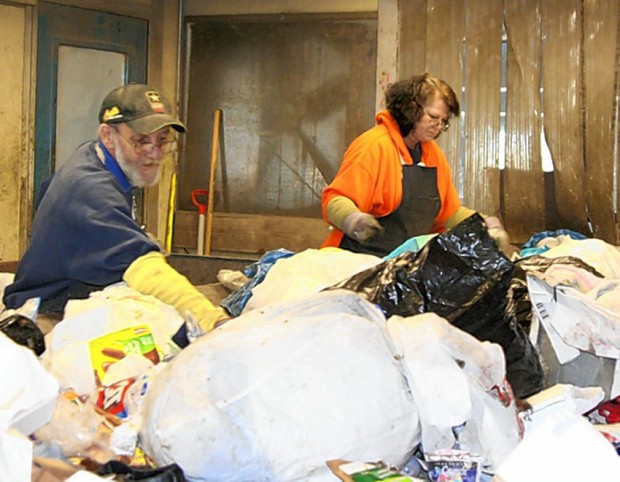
(436,120)
(145,145)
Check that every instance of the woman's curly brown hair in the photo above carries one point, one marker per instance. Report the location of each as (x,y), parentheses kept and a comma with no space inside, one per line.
(405,99)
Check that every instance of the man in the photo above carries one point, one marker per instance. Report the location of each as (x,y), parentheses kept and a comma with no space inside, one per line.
(84,234)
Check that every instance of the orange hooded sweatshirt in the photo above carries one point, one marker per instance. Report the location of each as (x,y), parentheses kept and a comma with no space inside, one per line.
(371,175)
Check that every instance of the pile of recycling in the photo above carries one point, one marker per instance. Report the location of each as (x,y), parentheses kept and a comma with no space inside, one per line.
(443,361)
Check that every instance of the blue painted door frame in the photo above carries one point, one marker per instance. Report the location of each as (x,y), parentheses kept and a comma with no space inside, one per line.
(77,27)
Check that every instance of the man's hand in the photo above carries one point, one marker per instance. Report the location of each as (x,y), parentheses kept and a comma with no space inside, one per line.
(361,226)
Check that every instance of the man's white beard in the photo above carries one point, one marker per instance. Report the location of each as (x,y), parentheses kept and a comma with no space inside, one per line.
(135,177)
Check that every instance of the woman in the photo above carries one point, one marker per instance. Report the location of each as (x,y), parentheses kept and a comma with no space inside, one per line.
(394,182)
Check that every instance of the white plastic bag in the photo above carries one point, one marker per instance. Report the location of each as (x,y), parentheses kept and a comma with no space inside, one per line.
(27,401)
(456,379)
(28,396)
(115,308)
(561,447)
(275,393)
(15,456)
(602,256)
(306,273)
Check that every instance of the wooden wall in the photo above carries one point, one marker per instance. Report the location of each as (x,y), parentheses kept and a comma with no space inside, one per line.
(558,62)
(16,45)
(568,48)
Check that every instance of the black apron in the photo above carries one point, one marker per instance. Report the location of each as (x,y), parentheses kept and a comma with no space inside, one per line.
(413,217)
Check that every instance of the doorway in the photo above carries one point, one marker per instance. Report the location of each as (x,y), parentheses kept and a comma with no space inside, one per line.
(293,90)
(82,55)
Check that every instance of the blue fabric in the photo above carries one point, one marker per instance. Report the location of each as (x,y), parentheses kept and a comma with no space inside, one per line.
(529,248)
(83,236)
(236,301)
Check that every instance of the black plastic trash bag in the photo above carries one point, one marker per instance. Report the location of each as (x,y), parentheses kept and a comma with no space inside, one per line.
(169,473)
(462,276)
(23,331)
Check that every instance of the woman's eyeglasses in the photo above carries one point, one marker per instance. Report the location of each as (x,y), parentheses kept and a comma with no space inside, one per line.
(436,120)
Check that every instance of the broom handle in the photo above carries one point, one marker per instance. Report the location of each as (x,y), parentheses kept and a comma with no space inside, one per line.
(170,215)
(216,138)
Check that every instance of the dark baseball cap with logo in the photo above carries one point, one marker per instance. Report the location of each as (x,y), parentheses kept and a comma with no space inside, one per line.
(139,106)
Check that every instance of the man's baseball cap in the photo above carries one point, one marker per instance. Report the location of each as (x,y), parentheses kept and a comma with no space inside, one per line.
(141,107)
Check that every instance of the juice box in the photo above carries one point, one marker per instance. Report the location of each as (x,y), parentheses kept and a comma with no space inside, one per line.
(112,347)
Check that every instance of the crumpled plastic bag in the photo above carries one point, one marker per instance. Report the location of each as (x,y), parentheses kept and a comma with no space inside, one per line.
(562,447)
(27,401)
(458,384)
(19,326)
(5,280)
(307,272)
(256,273)
(602,256)
(29,393)
(73,427)
(115,308)
(171,473)
(545,240)
(462,276)
(273,394)
(15,456)
(563,396)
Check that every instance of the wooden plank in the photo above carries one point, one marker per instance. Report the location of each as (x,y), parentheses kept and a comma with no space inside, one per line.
(29,78)
(562,104)
(412,37)
(25,2)
(616,129)
(14,160)
(226,7)
(444,46)
(360,115)
(481,169)
(162,71)
(387,55)
(131,8)
(201,270)
(601,129)
(523,176)
(251,233)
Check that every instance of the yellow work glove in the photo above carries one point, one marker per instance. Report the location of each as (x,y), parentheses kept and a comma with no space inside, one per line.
(338,209)
(150,274)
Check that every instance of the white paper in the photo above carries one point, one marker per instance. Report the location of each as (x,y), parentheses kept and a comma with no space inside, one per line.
(585,324)
(544,307)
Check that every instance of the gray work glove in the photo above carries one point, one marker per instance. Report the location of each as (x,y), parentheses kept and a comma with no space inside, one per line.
(361,226)
(500,236)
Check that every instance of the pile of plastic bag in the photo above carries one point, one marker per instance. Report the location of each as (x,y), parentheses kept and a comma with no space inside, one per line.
(444,360)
